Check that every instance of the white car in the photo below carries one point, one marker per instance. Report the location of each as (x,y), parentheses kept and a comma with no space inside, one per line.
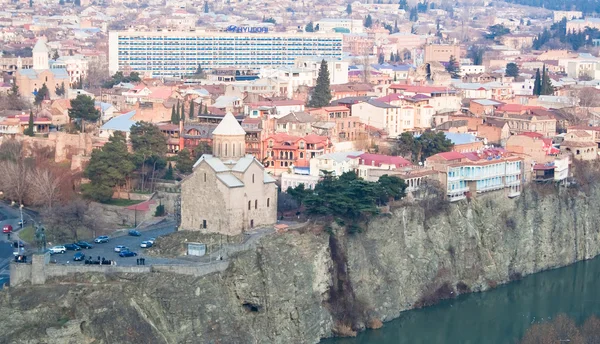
(121,248)
(57,249)
(151,240)
(146,244)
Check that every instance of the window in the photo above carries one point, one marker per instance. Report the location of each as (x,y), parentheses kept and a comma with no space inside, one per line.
(301,155)
(253,178)
(249,205)
(256,204)
(205,177)
(268,202)
(203,223)
(225,149)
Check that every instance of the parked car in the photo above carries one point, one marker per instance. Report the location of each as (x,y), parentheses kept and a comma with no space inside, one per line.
(127,253)
(57,249)
(72,247)
(121,248)
(78,256)
(152,240)
(146,244)
(18,244)
(84,244)
(7,229)
(101,239)
(133,232)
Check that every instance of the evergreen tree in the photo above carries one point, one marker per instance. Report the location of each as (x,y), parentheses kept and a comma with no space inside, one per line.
(29,130)
(537,84)
(182,113)
(60,90)
(453,67)
(414,14)
(402,5)
(309,27)
(30,3)
(191,109)
(349,9)
(368,21)
(177,113)
(84,109)
(321,95)
(316,27)
(512,70)
(413,30)
(206,109)
(55,56)
(206,9)
(41,95)
(184,161)
(396,29)
(546,87)
(173,116)
(61,2)
(200,108)
(380,59)
(169,173)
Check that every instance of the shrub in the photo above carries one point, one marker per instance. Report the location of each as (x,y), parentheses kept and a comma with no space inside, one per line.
(462,288)
(515,276)
(432,296)
(160,210)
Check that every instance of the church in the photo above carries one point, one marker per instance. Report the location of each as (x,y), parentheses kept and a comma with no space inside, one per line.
(30,81)
(228,192)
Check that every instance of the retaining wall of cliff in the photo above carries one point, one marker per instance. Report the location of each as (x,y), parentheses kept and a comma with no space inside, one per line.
(281,291)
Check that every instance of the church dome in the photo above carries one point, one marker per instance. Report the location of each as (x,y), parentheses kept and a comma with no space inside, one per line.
(229,126)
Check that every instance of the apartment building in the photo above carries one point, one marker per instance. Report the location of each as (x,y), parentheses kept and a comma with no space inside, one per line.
(179,53)
(469,174)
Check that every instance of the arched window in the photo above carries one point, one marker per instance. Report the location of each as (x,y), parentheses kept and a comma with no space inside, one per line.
(249,205)
(233,149)
(301,155)
(225,149)
(256,204)
(268,202)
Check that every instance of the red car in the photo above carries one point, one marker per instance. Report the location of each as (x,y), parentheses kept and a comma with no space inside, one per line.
(7,229)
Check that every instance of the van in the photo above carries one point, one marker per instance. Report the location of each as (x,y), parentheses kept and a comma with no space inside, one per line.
(7,229)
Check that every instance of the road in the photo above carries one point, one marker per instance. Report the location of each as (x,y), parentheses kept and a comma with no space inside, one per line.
(107,250)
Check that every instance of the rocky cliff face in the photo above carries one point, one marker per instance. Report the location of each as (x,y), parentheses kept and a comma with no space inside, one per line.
(301,287)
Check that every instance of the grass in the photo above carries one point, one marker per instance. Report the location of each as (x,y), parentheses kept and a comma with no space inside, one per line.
(122,202)
(27,234)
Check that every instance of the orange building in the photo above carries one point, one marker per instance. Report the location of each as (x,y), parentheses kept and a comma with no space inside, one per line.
(283,151)
(347,128)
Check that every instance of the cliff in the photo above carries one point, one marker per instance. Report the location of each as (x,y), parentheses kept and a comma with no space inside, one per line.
(300,287)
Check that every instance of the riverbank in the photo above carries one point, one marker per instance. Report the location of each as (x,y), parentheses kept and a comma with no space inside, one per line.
(303,286)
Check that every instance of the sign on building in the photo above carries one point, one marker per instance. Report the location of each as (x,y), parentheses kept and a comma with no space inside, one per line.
(196,249)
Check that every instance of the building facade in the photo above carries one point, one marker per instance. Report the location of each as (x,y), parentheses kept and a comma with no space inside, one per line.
(170,53)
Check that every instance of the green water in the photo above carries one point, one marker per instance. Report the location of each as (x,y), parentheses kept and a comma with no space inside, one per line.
(498,316)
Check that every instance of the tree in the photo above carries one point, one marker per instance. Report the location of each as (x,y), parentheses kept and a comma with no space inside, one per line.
(182,113)
(420,148)
(199,73)
(46,187)
(61,2)
(402,5)
(309,27)
(77,2)
(29,130)
(191,109)
(60,90)
(55,56)
(184,161)
(413,30)
(84,109)
(299,193)
(546,85)
(174,116)
(453,67)
(381,59)
(42,94)
(496,31)
(206,109)
(413,15)
(30,3)
(537,83)
(512,69)
(349,9)
(108,168)
(149,148)
(321,95)
(65,223)
(169,175)
(392,187)
(475,53)
(316,27)
(206,9)
(368,21)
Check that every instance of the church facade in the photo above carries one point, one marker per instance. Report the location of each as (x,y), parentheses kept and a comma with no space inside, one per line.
(228,192)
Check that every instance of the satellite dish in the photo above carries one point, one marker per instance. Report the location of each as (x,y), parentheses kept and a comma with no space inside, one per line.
(420,163)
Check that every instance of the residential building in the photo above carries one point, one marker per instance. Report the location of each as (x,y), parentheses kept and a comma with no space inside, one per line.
(337,68)
(336,163)
(465,175)
(354,26)
(527,122)
(483,107)
(345,126)
(383,116)
(534,145)
(494,131)
(569,15)
(367,161)
(577,25)
(282,151)
(295,123)
(580,145)
(228,192)
(172,53)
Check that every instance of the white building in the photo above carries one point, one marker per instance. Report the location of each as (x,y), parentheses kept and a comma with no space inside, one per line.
(76,66)
(292,180)
(330,24)
(337,163)
(338,69)
(471,69)
(288,79)
(383,116)
(178,53)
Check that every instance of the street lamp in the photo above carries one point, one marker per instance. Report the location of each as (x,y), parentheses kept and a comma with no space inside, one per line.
(21,209)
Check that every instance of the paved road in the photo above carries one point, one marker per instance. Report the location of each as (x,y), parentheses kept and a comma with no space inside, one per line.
(107,250)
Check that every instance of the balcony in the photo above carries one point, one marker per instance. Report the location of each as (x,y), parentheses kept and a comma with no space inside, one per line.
(514,194)
(513,183)
(490,188)
(456,197)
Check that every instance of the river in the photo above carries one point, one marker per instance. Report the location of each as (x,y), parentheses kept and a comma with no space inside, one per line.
(499,316)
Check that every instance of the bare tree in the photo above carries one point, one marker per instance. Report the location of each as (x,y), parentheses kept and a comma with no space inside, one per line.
(588,97)
(14,183)
(45,187)
(66,222)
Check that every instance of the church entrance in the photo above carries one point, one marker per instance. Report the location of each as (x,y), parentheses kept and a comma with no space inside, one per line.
(251,223)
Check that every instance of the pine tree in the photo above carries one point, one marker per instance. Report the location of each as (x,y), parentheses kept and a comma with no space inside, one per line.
(206,9)
(368,21)
(537,84)
(349,9)
(453,67)
(191,109)
(177,113)
(173,115)
(512,69)
(546,86)
(321,95)
(205,109)
(29,130)
(182,115)
(396,29)
(309,27)
(200,107)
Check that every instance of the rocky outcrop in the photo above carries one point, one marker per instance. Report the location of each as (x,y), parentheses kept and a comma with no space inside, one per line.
(292,286)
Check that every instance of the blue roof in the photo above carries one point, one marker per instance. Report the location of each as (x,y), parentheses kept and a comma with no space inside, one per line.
(103,106)
(396,68)
(486,102)
(120,123)
(59,73)
(459,139)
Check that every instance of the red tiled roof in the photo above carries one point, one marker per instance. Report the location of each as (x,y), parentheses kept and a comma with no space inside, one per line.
(451,155)
(532,135)
(391,97)
(380,159)
(543,167)
(335,108)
